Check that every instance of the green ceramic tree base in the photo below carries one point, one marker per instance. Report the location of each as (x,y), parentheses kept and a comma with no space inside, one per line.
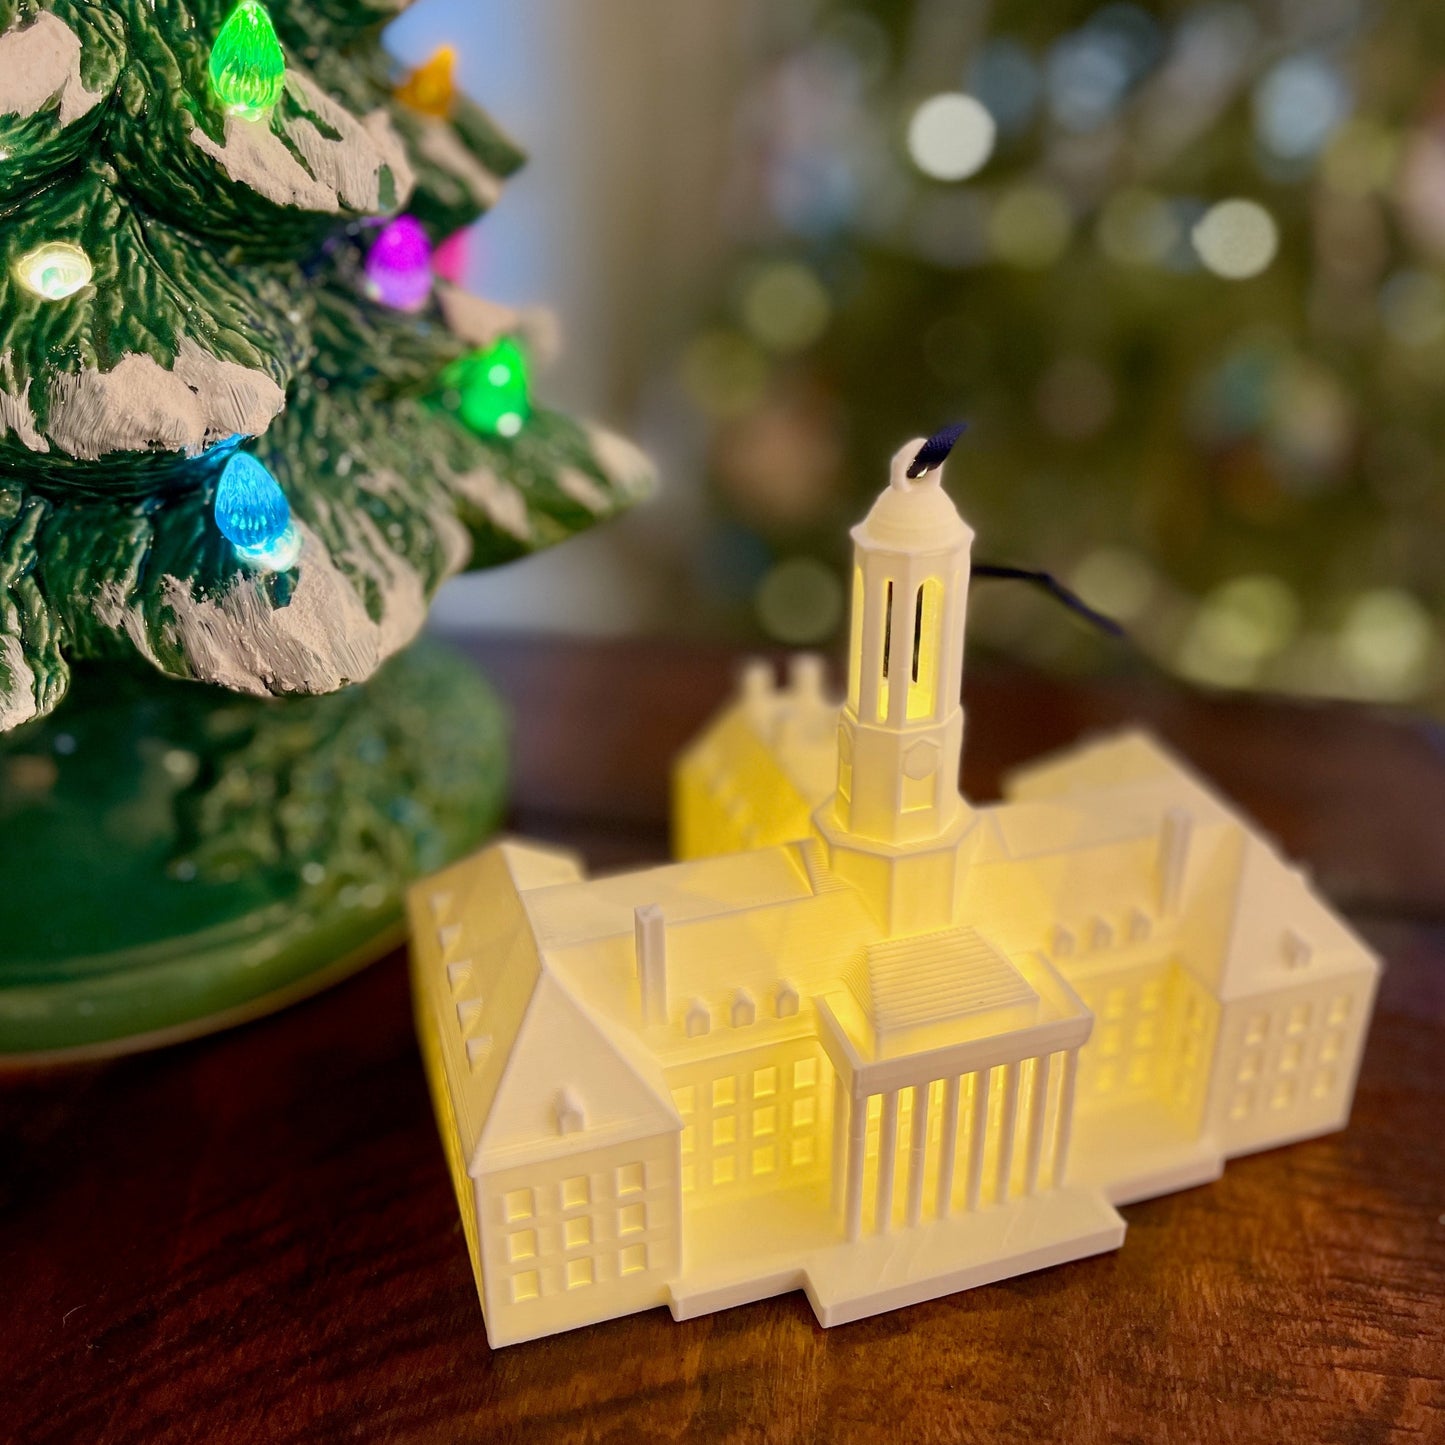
(174,859)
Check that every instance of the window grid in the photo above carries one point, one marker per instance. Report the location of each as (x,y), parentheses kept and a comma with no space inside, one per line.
(576,1232)
(746,1124)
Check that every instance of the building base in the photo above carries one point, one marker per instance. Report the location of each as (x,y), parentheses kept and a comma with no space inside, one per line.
(847,1281)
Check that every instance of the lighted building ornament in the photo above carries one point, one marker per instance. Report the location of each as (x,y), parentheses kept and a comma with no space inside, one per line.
(248,69)
(868,1039)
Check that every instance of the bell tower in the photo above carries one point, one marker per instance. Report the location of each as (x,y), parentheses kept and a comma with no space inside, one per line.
(900,737)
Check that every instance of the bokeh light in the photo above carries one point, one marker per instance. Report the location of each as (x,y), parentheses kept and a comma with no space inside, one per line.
(1030,225)
(724,373)
(1138,227)
(951,136)
(1387,644)
(1412,306)
(785,306)
(1298,105)
(1116,581)
(800,601)
(1005,79)
(1239,625)
(1236,239)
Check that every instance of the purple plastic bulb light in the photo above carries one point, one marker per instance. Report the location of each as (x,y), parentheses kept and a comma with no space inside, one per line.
(398,266)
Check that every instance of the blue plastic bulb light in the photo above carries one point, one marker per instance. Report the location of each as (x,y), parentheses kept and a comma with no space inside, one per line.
(253,514)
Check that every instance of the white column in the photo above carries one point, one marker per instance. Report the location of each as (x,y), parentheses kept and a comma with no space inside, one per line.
(1006,1131)
(1063,1131)
(840,1139)
(875,593)
(917,1152)
(977,1133)
(853,1189)
(947,1147)
(887,1157)
(1038,1107)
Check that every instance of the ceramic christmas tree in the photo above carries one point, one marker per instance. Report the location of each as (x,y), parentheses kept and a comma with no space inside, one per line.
(245,433)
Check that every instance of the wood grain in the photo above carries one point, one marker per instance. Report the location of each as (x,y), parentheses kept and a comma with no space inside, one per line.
(252,1238)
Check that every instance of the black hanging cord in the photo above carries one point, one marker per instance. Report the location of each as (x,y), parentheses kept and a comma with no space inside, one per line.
(933,453)
(1047,582)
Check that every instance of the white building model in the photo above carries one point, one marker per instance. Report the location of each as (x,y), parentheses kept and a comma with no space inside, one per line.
(868,1040)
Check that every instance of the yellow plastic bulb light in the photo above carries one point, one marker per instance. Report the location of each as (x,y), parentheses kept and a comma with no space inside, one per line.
(247,66)
(431,88)
(54,271)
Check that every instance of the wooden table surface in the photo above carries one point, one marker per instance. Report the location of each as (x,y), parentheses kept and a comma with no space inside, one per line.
(252,1238)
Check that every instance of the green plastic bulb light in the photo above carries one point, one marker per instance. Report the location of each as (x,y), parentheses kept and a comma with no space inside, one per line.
(247,66)
(489,389)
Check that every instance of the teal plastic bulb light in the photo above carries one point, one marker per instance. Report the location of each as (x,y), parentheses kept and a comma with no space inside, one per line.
(253,514)
(247,66)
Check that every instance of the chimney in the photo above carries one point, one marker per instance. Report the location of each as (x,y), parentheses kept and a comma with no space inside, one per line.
(651,935)
(1174,836)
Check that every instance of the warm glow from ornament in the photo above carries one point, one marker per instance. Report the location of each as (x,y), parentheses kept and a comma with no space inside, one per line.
(399,265)
(252,513)
(431,88)
(247,66)
(54,271)
(489,389)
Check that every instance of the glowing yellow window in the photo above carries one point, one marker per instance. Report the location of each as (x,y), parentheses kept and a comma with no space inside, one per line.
(1283,1094)
(1290,1055)
(805,1073)
(1257,1028)
(765,1120)
(1340,1009)
(577,1232)
(765,1083)
(633,1259)
(803,1149)
(764,1159)
(1330,1048)
(1324,1082)
(579,1272)
(724,1093)
(629,1179)
(689,1178)
(525,1286)
(518,1205)
(685,1099)
(632,1219)
(522,1244)
(689,1138)
(1299,1018)
(723,1170)
(724,1130)
(575,1192)
(804,1112)
(927,627)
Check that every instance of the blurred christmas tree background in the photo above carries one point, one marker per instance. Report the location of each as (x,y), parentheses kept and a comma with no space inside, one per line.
(1179,266)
